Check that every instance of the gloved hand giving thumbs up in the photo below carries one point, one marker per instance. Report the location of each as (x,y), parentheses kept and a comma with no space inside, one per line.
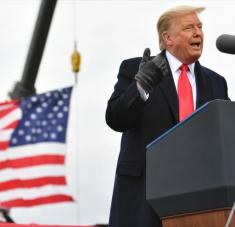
(149,73)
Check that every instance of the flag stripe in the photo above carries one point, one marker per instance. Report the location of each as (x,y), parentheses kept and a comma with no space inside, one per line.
(32,172)
(8,104)
(3,145)
(5,134)
(32,161)
(12,125)
(33,150)
(30,183)
(7,109)
(14,115)
(32,193)
(38,201)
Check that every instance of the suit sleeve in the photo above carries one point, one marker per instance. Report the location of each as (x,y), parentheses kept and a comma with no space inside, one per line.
(220,89)
(125,105)
(226,90)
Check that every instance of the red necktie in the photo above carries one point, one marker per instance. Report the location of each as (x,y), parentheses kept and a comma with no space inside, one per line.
(185,94)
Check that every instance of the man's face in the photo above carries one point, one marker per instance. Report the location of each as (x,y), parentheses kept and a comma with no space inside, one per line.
(185,38)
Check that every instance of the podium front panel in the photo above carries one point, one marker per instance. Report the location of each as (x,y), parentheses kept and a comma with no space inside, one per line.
(191,167)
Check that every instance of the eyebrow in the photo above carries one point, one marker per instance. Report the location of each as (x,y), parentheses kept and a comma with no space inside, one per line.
(190,23)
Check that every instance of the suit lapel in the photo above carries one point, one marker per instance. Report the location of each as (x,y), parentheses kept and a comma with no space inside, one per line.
(167,85)
(204,89)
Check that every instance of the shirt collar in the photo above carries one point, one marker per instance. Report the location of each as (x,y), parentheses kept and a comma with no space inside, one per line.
(175,63)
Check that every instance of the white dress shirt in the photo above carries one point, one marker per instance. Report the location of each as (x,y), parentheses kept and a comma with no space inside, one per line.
(175,70)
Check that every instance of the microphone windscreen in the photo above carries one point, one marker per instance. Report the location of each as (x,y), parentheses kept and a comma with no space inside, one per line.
(226,43)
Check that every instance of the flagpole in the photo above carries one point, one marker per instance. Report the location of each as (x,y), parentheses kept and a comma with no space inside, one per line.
(75,63)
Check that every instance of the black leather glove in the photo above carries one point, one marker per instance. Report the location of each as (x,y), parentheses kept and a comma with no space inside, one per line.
(149,73)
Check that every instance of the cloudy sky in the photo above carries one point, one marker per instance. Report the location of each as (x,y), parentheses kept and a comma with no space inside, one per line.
(107,32)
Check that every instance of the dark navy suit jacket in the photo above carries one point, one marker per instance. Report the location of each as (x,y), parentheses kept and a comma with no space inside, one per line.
(142,122)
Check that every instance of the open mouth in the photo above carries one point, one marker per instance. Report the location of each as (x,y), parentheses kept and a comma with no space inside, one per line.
(196,45)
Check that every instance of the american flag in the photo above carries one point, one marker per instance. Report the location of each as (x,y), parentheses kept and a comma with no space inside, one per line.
(33,149)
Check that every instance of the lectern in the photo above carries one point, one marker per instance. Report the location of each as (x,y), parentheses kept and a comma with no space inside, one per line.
(191,169)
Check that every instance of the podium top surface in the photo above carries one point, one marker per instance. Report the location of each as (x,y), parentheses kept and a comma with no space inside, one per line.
(196,112)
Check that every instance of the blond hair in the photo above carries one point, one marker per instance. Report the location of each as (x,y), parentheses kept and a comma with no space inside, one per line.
(164,20)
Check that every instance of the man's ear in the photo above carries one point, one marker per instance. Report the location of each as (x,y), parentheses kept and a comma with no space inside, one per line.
(166,38)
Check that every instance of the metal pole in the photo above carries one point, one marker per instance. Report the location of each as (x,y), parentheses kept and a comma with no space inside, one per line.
(25,87)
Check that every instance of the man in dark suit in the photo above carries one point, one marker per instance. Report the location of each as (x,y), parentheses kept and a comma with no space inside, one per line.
(146,102)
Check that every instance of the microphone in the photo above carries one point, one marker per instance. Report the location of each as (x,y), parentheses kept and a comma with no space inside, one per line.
(226,43)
